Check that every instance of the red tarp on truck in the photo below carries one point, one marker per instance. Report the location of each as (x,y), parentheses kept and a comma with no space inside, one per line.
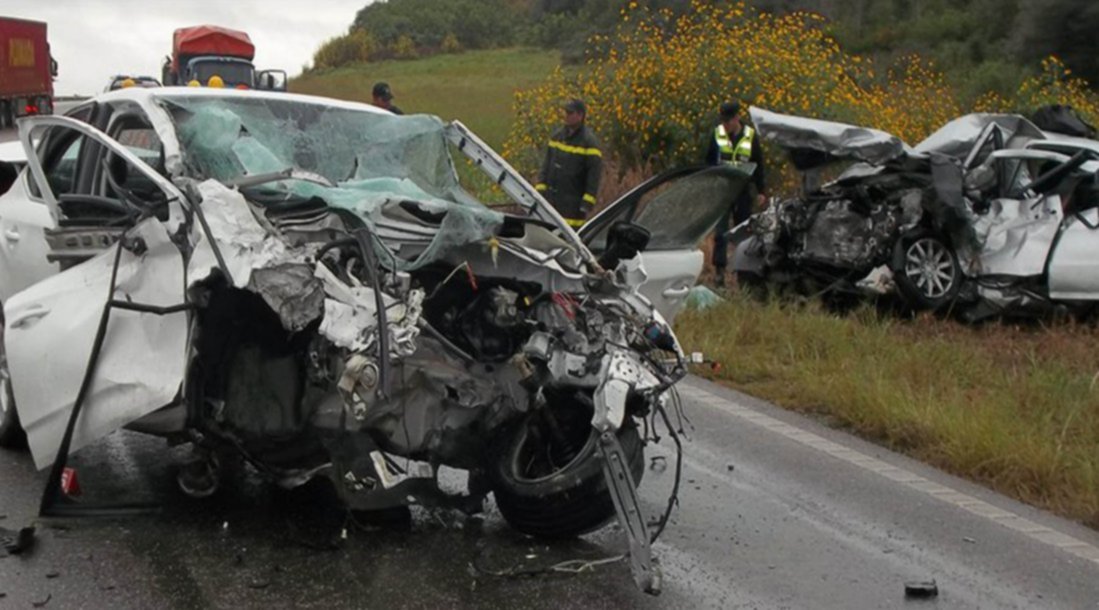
(24,59)
(211,40)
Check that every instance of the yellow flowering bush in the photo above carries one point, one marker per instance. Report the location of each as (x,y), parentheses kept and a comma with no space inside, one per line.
(653,97)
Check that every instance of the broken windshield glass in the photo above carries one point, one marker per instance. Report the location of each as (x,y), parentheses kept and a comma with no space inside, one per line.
(372,159)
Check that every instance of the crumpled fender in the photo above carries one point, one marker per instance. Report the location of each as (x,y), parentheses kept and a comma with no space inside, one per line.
(748,256)
(622,372)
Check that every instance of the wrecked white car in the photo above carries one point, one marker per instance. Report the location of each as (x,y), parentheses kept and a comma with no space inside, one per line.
(988,216)
(303,282)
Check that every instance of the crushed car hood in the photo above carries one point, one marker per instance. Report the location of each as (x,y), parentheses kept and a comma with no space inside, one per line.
(815,143)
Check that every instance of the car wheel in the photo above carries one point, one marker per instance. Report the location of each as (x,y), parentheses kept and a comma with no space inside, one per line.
(11,432)
(926,271)
(552,486)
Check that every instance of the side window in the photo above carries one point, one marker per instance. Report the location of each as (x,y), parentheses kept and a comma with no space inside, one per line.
(59,150)
(680,212)
(118,179)
(60,157)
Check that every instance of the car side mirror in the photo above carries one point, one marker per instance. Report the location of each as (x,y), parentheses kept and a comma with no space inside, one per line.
(624,241)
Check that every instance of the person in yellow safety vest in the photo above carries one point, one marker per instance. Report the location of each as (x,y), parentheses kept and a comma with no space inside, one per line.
(129,82)
(569,178)
(734,142)
(193,83)
(215,82)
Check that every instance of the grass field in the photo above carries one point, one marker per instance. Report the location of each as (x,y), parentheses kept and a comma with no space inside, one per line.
(1014,408)
(476,87)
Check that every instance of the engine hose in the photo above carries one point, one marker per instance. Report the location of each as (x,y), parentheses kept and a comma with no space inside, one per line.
(362,237)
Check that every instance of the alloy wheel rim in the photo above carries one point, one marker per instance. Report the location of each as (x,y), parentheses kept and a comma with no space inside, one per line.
(930,266)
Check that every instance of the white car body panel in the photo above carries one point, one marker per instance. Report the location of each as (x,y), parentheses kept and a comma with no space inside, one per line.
(23,245)
(12,152)
(1019,240)
(1074,266)
(60,316)
(671,275)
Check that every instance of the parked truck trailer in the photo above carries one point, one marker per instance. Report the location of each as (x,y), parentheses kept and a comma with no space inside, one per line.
(26,70)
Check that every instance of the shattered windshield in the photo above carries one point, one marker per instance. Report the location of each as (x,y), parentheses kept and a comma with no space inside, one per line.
(359,160)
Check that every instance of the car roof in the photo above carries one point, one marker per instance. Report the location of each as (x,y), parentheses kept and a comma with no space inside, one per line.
(1057,141)
(12,152)
(142,95)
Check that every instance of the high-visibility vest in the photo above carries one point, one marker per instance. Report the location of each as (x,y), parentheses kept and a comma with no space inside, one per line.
(734,153)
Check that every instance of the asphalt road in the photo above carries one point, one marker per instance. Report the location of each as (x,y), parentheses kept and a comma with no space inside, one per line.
(776,511)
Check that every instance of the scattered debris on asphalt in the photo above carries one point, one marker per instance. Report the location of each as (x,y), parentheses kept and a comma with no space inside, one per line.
(42,604)
(16,543)
(53,574)
(658,464)
(923,589)
(970,540)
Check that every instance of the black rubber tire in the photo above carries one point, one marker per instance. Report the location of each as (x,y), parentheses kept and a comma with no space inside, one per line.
(571,501)
(11,431)
(924,296)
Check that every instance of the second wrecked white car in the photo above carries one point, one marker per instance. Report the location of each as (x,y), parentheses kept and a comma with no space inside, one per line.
(303,282)
(988,216)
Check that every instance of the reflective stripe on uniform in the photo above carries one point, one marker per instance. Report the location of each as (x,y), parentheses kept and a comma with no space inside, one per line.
(590,199)
(738,153)
(575,150)
(575,223)
(541,186)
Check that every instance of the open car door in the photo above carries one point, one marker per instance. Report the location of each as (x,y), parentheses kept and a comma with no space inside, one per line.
(118,250)
(679,207)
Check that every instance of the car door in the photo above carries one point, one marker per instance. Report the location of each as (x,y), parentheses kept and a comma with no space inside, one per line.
(680,208)
(51,327)
(24,215)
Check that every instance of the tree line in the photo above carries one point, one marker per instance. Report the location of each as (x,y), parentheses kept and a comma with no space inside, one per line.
(982,45)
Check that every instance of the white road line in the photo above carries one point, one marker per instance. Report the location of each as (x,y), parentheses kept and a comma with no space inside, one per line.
(1024,526)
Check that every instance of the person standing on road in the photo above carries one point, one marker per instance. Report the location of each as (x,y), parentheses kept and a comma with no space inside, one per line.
(383,98)
(734,142)
(569,178)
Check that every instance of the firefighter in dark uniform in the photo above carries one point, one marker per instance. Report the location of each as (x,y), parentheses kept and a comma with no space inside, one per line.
(570,174)
(734,142)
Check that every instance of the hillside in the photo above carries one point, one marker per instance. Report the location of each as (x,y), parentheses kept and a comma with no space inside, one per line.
(476,87)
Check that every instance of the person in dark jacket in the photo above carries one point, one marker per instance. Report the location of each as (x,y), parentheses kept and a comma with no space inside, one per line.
(734,142)
(570,174)
(383,98)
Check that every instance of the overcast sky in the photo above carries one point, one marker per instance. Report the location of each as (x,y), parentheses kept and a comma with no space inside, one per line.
(94,39)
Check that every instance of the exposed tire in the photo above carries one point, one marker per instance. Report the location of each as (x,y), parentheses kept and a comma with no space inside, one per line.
(11,431)
(926,271)
(544,489)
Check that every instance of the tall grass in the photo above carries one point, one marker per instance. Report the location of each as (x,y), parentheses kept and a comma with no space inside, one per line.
(476,87)
(1014,408)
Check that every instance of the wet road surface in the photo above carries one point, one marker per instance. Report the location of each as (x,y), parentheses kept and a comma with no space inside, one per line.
(776,512)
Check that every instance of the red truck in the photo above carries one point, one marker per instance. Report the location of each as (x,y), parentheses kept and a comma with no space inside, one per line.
(204,51)
(26,70)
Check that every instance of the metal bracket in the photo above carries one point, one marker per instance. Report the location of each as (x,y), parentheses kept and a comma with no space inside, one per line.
(644,567)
